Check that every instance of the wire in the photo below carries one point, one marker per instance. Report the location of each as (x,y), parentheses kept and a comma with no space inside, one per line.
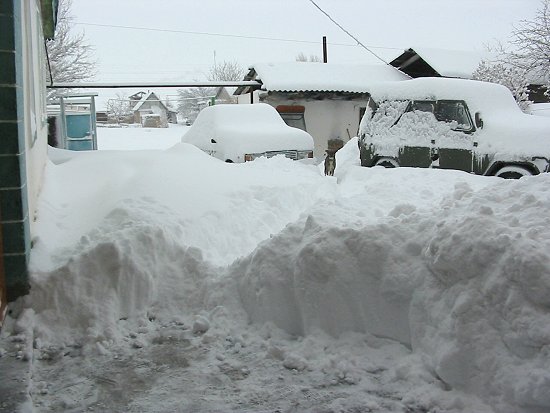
(152,29)
(347,32)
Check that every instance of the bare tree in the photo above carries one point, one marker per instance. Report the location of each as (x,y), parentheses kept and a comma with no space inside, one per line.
(70,57)
(531,41)
(226,71)
(118,108)
(514,78)
(527,61)
(301,57)
(192,100)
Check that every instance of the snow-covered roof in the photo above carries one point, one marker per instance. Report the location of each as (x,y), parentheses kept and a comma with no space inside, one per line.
(323,77)
(453,63)
(147,97)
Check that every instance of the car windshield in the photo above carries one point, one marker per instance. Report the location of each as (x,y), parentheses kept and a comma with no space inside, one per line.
(423,106)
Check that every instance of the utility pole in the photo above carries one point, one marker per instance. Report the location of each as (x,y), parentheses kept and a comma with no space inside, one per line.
(325,49)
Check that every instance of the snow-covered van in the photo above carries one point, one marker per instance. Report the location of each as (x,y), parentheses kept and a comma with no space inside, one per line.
(459,124)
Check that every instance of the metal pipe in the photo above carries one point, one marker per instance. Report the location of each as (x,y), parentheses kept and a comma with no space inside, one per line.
(105,85)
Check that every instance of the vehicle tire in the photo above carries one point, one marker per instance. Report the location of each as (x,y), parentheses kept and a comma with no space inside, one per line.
(228,161)
(513,172)
(387,163)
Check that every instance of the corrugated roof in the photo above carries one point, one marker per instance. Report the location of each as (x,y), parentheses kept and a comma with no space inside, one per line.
(324,77)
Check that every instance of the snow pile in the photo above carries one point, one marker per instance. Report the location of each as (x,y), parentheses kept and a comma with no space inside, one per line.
(482,320)
(374,290)
(464,284)
(133,237)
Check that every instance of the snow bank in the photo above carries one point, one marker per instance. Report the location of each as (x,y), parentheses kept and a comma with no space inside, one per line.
(453,266)
(482,319)
(141,234)
(465,284)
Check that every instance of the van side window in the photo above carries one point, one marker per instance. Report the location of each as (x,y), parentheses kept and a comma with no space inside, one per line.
(423,106)
(454,111)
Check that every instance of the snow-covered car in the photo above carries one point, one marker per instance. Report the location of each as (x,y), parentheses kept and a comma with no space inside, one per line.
(240,133)
(459,124)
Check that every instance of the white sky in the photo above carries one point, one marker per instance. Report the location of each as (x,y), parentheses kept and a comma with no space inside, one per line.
(391,26)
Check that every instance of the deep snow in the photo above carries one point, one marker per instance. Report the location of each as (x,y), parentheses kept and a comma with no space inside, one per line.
(170,281)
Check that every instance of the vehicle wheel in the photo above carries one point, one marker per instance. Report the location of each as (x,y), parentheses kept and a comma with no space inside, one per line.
(513,172)
(228,161)
(387,163)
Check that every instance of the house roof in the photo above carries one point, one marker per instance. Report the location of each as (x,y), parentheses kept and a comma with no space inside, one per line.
(147,97)
(421,62)
(320,77)
(424,62)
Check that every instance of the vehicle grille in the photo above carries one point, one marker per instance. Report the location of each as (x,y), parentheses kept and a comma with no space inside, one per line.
(288,154)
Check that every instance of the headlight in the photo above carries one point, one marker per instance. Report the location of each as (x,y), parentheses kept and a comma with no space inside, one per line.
(251,156)
(304,154)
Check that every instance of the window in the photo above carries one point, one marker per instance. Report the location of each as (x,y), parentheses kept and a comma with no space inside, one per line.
(454,111)
(423,106)
(293,115)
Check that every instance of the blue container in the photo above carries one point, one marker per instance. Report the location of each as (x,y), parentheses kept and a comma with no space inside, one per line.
(79,136)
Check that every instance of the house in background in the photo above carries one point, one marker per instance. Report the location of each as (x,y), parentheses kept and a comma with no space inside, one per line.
(224,95)
(327,100)
(23,133)
(150,111)
(426,62)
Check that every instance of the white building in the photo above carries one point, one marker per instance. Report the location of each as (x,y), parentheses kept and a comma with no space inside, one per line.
(327,100)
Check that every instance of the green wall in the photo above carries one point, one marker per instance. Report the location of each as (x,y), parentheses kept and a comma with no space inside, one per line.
(14,215)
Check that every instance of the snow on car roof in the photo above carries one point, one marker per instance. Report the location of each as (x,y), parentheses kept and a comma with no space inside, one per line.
(312,76)
(479,95)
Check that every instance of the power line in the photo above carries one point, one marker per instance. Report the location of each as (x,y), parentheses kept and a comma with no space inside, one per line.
(347,32)
(237,36)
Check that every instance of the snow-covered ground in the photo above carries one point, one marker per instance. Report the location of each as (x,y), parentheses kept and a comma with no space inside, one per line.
(135,137)
(166,280)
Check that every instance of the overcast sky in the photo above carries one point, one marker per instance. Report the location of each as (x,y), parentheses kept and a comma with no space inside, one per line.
(189,35)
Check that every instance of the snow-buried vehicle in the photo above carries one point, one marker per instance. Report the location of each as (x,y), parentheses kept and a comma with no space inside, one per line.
(467,125)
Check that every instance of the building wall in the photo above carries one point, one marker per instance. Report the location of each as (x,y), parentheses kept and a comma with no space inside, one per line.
(23,134)
(155,108)
(325,119)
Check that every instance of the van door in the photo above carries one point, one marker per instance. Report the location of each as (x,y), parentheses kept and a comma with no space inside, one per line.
(455,143)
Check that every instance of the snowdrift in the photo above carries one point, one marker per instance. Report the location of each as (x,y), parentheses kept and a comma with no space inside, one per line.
(453,266)
(466,285)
